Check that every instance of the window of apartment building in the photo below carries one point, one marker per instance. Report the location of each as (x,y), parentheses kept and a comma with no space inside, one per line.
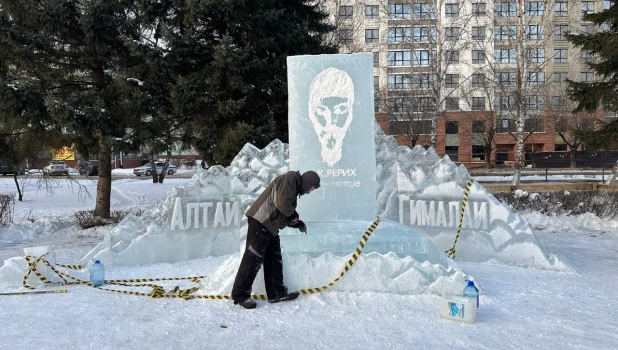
(534,32)
(560,9)
(398,104)
(399,11)
(534,124)
(560,147)
(398,81)
(371,12)
(559,102)
(536,55)
(423,34)
(503,102)
(586,56)
(607,4)
(451,128)
(376,59)
(422,80)
(478,56)
(560,55)
(399,58)
(345,36)
(533,103)
(504,55)
(506,9)
(451,103)
(398,34)
(478,126)
(451,57)
(452,33)
(535,8)
(478,151)
(535,78)
(560,77)
(423,57)
(586,76)
(451,80)
(424,10)
(452,152)
(451,10)
(479,9)
(478,33)
(505,32)
(587,7)
(559,31)
(345,12)
(376,83)
(372,36)
(478,104)
(505,79)
(587,28)
(422,104)
(477,80)
(505,125)
(422,127)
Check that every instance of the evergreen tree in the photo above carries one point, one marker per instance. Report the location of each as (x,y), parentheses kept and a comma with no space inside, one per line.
(600,94)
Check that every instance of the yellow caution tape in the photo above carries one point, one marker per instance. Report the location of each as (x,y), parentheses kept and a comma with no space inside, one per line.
(451,252)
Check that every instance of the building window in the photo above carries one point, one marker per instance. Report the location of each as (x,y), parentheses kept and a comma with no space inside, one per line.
(452,152)
(534,103)
(452,33)
(536,55)
(560,77)
(505,32)
(451,128)
(560,9)
(559,31)
(372,36)
(398,104)
(505,79)
(424,10)
(422,80)
(560,148)
(535,79)
(423,34)
(478,33)
(504,55)
(376,59)
(478,126)
(479,9)
(503,102)
(535,8)
(478,80)
(587,28)
(423,57)
(371,12)
(587,77)
(345,12)
(478,56)
(534,32)
(607,4)
(560,55)
(451,103)
(399,11)
(345,36)
(586,56)
(399,58)
(559,102)
(587,7)
(451,57)
(478,104)
(506,9)
(451,80)
(399,81)
(376,83)
(398,34)
(533,124)
(422,104)
(451,10)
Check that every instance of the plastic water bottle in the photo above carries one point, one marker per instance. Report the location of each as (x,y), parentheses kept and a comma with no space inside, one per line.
(470,291)
(97,274)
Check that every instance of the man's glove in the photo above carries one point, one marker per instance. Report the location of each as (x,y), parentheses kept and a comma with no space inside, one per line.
(293,220)
(302,227)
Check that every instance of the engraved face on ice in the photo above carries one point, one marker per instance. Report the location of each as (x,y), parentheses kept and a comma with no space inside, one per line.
(331,96)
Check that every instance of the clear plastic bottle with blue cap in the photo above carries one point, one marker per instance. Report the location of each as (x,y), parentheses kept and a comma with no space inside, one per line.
(470,291)
(97,274)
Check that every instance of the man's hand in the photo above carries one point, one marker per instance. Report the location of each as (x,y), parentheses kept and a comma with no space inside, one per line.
(302,227)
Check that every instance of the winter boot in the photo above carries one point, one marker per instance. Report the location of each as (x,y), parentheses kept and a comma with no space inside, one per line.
(247,304)
(284,297)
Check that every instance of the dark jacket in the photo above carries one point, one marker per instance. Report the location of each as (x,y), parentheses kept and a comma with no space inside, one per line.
(276,206)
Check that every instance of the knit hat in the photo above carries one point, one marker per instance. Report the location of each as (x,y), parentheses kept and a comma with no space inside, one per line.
(309,179)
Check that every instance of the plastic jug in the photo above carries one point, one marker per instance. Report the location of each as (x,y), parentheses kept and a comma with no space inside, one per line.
(97,274)
(470,291)
(458,308)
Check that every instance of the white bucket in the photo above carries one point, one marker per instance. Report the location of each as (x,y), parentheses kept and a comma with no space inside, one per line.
(458,308)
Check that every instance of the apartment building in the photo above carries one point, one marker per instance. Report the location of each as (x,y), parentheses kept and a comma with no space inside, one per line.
(472,71)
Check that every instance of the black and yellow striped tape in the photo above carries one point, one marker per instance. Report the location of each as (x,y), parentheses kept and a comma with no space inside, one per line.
(451,251)
(176,292)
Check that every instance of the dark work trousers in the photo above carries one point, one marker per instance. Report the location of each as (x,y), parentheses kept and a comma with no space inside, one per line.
(261,248)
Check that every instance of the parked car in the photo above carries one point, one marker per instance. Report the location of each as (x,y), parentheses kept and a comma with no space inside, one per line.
(5,169)
(146,169)
(90,168)
(56,167)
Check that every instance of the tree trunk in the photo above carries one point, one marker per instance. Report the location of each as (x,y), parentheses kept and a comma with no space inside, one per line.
(488,157)
(165,166)
(19,194)
(573,161)
(434,131)
(153,168)
(104,185)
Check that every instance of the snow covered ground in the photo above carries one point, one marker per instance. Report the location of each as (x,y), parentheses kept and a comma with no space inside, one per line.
(521,308)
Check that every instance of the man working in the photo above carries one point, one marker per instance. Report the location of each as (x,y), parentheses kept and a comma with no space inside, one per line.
(273,210)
